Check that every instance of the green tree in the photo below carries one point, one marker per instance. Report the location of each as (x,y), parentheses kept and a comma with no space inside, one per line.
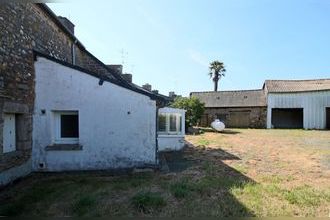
(217,70)
(194,109)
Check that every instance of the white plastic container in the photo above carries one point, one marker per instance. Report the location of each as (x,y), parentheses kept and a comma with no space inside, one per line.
(218,125)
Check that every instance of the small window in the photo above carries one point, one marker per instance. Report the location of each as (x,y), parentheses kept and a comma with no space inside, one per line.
(66,127)
(162,122)
(170,123)
(173,123)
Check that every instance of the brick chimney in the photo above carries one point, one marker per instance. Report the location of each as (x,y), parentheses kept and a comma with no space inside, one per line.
(128,77)
(147,86)
(67,23)
(171,94)
(116,67)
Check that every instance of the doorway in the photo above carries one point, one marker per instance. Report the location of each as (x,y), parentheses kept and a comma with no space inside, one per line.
(9,133)
(327,113)
(287,117)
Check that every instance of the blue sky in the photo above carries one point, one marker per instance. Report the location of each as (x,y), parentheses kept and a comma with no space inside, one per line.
(169,43)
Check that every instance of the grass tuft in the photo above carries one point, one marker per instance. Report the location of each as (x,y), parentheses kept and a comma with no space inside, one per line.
(83,204)
(180,189)
(305,196)
(148,201)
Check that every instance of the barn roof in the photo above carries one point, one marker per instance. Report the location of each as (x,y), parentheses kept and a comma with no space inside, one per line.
(240,98)
(297,85)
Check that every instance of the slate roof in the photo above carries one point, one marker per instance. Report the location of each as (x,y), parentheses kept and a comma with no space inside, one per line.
(112,76)
(240,98)
(127,85)
(279,86)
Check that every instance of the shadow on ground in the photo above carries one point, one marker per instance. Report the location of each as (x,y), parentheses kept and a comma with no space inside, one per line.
(217,181)
(196,183)
(226,131)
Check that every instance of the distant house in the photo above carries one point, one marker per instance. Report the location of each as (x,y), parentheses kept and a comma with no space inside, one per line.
(279,104)
(243,108)
(298,103)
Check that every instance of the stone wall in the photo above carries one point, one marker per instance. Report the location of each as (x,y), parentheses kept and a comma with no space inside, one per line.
(25,27)
(257,116)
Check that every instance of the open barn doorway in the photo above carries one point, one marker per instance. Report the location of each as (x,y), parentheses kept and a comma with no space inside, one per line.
(287,118)
(327,111)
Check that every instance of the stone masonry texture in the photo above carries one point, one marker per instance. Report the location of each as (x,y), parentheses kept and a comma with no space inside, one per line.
(257,116)
(25,27)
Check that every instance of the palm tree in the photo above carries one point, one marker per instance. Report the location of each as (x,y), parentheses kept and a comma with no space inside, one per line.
(217,70)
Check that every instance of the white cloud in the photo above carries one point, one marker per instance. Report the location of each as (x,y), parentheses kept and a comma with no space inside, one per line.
(197,57)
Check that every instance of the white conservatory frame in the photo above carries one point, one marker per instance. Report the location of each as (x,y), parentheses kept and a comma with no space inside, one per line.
(179,113)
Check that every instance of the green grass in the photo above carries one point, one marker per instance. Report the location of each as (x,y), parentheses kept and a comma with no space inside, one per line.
(131,181)
(240,168)
(148,201)
(212,187)
(306,196)
(181,189)
(83,204)
(203,142)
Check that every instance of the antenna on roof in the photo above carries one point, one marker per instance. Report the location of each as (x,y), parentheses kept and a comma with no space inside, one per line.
(124,55)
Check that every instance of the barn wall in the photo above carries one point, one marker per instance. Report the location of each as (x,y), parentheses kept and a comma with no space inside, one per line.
(257,117)
(116,126)
(313,103)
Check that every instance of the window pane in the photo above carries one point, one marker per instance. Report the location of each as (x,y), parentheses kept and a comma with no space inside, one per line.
(69,126)
(180,123)
(173,123)
(162,122)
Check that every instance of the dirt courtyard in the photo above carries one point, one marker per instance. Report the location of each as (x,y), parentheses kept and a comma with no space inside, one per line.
(240,172)
(303,156)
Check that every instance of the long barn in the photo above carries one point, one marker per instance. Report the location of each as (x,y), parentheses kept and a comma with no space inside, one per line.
(279,104)
(298,103)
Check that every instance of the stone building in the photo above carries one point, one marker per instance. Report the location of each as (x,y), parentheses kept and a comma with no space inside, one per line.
(243,108)
(34,38)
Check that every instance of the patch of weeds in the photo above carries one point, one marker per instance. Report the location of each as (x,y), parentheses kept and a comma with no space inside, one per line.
(83,204)
(274,179)
(148,201)
(131,181)
(306,196)
(209,168)
(31,197)
(240,168)
(211,183)
(180,189)
(250,194)
(203,142)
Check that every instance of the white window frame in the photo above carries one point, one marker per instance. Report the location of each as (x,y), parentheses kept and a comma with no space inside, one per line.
(57,128)
(167,124)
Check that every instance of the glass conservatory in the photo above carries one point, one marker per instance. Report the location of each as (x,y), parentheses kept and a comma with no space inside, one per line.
(171,129)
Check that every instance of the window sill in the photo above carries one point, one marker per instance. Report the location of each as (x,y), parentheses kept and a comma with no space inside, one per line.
(170,135)
(64,147)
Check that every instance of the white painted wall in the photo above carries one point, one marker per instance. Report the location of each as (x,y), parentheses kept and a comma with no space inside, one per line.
(117,127)
(172,142)
(313,103)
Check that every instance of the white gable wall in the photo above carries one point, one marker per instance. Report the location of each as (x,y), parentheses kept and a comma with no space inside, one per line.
(313,104)
(116,126)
